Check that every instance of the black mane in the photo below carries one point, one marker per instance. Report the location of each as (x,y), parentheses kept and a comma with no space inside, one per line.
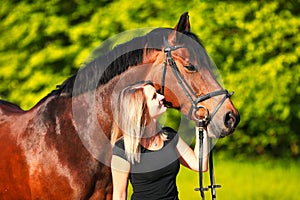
(114,63)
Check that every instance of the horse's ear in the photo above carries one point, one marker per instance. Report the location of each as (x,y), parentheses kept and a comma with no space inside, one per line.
(183,25)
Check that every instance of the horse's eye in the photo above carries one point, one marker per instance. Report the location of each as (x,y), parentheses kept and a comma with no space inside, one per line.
(191,68)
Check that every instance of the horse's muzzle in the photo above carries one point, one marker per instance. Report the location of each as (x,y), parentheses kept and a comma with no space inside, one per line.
(231,121)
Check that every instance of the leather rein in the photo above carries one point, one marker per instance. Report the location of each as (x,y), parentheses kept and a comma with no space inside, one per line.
(201,122)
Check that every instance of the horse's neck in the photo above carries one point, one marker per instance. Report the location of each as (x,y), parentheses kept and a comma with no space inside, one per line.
(106,95)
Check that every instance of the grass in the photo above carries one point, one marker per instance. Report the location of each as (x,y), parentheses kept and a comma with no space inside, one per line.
(251,180)
(245,180)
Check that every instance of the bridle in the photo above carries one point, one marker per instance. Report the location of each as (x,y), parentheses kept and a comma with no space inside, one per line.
(203,121)
(191,95)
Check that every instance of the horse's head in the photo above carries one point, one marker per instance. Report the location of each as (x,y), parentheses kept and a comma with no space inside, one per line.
(182,71)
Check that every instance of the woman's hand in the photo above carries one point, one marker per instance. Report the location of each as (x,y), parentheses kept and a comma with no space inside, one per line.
(189,157)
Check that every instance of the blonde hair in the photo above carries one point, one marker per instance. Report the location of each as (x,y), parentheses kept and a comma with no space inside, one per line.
(130,119)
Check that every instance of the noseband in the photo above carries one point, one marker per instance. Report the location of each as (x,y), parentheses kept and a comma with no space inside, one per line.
(202,121)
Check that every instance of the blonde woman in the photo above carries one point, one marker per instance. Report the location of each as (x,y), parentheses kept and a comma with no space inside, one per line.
(146,154)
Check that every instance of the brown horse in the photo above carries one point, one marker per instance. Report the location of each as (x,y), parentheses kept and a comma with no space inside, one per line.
(60,149)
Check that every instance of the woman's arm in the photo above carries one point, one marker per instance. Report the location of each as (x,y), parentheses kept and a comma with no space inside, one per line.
(120,172)
(190,157)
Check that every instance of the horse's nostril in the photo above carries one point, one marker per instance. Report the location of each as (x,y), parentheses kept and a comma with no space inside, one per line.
(230,120)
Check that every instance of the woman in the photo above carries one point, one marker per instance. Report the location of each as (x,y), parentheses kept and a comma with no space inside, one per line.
(146,154)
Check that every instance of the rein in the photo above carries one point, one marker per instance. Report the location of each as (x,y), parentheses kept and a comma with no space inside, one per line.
(202,125)
(202,122)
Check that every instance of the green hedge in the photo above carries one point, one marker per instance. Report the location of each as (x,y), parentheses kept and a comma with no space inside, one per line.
(255,44)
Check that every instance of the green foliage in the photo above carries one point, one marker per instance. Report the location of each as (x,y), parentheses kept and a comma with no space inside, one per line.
(257,48)
(255,44)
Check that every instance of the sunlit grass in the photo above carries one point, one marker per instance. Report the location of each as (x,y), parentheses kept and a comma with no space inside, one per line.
(247,180)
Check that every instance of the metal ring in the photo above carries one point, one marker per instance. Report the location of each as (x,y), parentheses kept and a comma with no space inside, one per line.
(201,118)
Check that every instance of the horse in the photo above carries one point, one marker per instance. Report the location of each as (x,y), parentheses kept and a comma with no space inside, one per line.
(60,148)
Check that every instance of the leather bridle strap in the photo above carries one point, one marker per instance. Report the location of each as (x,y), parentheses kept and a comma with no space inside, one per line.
(201,188)
(227,95)
(168,55)
(212,185)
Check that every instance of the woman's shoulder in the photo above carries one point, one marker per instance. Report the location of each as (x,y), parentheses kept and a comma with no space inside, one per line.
(119,148)
(120,143)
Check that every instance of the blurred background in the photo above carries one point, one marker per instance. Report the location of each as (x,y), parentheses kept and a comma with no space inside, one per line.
(255,44)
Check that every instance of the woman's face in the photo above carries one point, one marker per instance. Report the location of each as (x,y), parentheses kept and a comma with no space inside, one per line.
(155,102)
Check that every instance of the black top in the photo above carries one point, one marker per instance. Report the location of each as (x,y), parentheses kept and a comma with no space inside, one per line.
(155,176)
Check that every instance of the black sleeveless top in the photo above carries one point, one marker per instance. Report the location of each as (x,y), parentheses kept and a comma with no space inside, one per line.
(155,176)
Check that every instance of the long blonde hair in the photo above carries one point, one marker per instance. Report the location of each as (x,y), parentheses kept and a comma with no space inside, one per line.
(130,119)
